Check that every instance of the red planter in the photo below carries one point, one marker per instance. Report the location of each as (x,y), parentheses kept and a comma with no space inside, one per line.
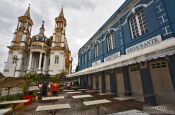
(28,97)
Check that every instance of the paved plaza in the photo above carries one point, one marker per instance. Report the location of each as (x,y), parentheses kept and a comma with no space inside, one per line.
(77,108)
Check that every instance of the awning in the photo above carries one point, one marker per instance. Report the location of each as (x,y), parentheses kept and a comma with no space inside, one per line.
(165,48)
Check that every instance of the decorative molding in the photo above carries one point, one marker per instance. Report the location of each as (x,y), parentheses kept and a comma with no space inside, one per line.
(108,28)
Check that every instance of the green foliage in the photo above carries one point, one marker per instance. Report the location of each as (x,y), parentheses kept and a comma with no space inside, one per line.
(60,86)
(61,75)
(34,93)
(54,79)
(58,76)
(27,78)
(14,97)
(26,90)
(35,77)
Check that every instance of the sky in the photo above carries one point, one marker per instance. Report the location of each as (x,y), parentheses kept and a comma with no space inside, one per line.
(84,18)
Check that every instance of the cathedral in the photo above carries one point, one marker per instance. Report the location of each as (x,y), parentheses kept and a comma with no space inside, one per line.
(38,53)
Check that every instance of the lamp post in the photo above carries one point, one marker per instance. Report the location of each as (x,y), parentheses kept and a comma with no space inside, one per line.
(5,66)
(16,61)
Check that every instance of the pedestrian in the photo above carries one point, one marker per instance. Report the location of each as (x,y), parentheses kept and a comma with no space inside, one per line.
(44,89)
(40,84)
(49,90)
(55,89)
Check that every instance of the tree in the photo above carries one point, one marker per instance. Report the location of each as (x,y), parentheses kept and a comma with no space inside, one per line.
(27,78)
(54,79)
(59,76)
(35,77)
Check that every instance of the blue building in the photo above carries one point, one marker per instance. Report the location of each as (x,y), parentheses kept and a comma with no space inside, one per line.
(133,53)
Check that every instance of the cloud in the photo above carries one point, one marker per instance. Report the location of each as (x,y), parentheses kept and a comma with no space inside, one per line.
(84,18)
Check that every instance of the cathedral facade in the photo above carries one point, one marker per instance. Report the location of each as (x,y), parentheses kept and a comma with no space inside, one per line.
(38,54)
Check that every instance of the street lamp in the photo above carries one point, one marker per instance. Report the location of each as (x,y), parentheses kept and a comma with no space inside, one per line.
(16,61)
(5,66)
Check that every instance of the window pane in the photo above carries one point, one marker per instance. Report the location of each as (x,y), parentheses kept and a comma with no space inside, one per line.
(110,41)
(138,24)
(96,50)
(56,59)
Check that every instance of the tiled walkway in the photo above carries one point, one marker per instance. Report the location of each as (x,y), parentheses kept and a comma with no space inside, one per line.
(78,109)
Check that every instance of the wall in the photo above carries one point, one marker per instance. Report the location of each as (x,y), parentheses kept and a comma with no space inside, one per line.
(56,68)
(153,12)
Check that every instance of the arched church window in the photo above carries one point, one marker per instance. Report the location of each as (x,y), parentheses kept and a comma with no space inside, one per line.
(29,29)
(22,25)
(37,38)
(14,59)
(61,26)
(23,37)
(56,26)
(56,59)
(25,24)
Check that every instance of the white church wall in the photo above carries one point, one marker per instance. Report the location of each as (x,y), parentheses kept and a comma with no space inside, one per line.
(11,67)
(56,68)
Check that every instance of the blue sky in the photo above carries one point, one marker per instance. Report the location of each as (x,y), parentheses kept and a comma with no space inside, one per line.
(84,18)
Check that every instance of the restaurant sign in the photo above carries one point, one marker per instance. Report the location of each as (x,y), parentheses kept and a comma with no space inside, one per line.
(150,42)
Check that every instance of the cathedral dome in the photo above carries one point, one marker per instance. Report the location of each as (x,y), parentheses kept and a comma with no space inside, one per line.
(39,39)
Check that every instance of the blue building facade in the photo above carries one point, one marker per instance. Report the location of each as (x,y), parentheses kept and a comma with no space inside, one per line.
(159,19)
(135,47)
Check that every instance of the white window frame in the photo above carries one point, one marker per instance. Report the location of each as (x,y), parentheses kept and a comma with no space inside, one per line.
(138,24)
(96,47)
(110,41)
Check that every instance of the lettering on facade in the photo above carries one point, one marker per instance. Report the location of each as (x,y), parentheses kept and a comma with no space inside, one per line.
(145,44)
(112,57)
(96,63)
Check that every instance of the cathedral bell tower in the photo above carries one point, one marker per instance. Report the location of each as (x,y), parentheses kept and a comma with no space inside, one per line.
(18,49)
(59,32)
(59,51)
(22,34)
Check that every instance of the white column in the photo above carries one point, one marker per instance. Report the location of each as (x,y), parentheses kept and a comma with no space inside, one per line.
(30,61)
(40,58)
(44,66)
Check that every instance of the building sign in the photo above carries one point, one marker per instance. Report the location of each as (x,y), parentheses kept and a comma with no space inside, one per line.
(112,57)
(96,63)
(144,44)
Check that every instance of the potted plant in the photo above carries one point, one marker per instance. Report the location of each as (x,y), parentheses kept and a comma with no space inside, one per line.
(26,94)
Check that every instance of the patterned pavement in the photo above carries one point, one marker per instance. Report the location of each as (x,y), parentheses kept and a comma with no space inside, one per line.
(77,108)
